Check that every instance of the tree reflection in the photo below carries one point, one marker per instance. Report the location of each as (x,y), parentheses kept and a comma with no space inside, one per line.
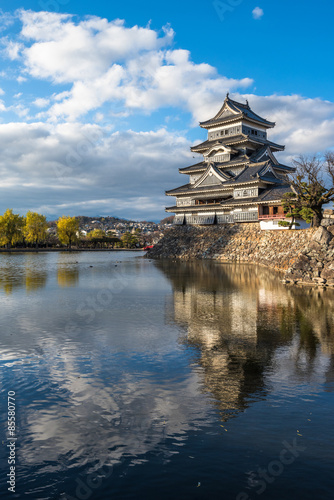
(17,273)
(67,276)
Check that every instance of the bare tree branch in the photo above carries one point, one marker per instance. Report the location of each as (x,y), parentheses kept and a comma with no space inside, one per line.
(313,182)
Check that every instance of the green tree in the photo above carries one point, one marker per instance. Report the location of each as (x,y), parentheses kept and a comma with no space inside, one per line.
(68,230)
(11,228)
(292,208)
(129,240)
(313,184)
(35,228)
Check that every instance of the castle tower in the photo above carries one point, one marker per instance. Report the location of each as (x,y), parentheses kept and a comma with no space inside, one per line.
(238,178)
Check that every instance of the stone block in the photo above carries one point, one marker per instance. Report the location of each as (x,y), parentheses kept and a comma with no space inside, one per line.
(319,281)
(327,274)
(314,246)
(326,222)
(322,236)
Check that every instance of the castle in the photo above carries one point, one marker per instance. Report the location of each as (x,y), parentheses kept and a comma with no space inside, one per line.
(238,179)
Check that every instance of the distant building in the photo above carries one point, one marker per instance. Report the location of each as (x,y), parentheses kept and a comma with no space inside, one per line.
(239,179)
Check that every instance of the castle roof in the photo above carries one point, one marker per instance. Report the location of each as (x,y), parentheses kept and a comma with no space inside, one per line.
(198,167)
(232,111)
(260,173)
(270,195)
(234,140)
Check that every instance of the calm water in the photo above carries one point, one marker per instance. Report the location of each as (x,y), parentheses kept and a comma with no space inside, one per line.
(160,380)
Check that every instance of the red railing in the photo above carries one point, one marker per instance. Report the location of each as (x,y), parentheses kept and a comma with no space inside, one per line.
(273,216)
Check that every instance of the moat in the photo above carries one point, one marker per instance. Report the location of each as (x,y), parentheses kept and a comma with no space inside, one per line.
(139,379)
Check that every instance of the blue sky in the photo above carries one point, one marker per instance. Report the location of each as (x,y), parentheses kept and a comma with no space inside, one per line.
(98,114)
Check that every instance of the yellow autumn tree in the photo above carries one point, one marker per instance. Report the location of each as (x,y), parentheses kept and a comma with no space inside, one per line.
(11,228)
(96,234)
(68,230)
(35,228)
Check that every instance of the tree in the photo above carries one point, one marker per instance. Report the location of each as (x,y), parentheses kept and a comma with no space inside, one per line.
(35,228)
(294,209)
(68,230)
(11,228)
(310,182)
(129,240)
(96,234)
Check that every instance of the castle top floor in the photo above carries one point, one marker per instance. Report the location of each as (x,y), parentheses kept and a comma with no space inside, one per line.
(234,119)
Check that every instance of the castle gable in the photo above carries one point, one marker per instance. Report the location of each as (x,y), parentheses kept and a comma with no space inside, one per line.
(212,177)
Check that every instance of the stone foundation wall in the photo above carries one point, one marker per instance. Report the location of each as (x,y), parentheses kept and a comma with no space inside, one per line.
(305,256)
(315,262)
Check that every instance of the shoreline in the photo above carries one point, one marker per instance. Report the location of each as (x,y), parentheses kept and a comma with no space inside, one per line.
(304,257)
(73,250)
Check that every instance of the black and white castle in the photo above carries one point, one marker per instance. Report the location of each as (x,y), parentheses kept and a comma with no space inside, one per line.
(238,178)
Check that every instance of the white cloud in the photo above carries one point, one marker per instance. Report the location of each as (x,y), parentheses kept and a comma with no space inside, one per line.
(21,79)
(106,62)
(303,125)
(257,13)
(13,50)
(74,166)
(68,52)
(41,102)
(6,20)
(99,117)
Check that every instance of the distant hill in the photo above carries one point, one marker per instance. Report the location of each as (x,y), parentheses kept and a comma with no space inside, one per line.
(84,220)
(112,220)
(167,220)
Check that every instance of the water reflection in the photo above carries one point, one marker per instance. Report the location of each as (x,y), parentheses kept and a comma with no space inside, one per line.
(67,275)
(16,273)
(174,353)
(30,271)
(238,318)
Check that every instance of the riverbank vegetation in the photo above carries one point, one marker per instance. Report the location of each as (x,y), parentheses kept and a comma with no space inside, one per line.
(33,231)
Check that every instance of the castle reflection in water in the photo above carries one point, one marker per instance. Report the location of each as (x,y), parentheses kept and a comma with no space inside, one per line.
(246,328)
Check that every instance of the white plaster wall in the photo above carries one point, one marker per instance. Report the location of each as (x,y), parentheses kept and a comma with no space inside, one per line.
(273,225)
